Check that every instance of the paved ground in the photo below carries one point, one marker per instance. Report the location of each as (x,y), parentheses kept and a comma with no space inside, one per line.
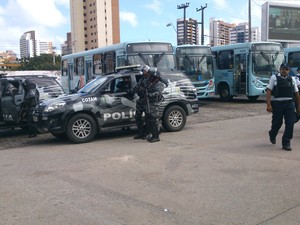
(223,172)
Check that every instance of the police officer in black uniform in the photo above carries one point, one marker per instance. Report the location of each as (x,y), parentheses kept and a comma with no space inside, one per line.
(141,104)
(30,101)
(281,91)
(149,89)
(154,93)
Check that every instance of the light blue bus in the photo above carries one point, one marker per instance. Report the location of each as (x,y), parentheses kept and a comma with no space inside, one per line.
(79,68)
(245,68)
(196,61)
(292,57)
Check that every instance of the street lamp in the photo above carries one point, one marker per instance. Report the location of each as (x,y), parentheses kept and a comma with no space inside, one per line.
(171,24)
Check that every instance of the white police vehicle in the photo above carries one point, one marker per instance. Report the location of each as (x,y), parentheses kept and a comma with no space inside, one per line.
(12,93)
(100,105)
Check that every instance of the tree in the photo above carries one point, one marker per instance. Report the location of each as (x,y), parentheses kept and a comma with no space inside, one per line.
(42,62)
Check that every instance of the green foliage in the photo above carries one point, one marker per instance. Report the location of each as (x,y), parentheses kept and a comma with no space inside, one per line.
(42,62)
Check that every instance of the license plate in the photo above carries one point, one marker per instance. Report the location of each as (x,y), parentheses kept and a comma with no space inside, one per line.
(35,118)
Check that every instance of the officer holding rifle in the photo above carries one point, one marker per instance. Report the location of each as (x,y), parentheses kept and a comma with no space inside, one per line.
(149,90)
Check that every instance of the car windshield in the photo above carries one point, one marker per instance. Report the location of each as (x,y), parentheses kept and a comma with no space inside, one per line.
(47,85)
(93,85)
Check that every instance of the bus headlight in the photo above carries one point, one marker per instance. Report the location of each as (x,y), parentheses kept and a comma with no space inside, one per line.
(54,106)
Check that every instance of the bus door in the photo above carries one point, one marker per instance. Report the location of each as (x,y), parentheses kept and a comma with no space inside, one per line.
(78,78)
(240,80)
(88,73)
(12,98)
(65,80)
(120,58)
(69,85)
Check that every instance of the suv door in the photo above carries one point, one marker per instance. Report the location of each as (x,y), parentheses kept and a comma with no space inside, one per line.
(116,107)
(11,102)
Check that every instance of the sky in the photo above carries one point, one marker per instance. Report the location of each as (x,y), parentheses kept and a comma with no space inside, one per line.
(140,20)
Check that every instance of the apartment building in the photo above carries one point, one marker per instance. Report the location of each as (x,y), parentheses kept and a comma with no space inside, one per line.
(192,33)
(94,23)
(219,32)
(240,33)
(28,46)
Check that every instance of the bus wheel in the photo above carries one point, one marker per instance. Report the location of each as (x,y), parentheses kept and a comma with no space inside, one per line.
(253,98)
(174,118)
(81,128)
(224,93)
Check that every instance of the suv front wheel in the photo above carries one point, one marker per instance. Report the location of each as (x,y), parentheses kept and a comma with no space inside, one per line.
(174,118)
(81,128)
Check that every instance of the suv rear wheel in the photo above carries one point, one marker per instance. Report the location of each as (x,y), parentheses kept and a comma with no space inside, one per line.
(81,128)
(174,118)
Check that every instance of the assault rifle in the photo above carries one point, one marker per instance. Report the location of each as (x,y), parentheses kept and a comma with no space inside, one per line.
(147,110)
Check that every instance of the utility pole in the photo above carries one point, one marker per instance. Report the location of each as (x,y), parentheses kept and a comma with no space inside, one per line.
(184,6)
(249,21)
(202,22)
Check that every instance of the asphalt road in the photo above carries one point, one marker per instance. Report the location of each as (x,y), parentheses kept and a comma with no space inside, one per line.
(220,171)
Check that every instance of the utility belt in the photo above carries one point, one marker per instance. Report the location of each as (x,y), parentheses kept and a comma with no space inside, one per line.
(282,101)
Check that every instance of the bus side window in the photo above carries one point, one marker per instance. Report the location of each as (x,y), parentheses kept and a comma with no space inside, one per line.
(225,60)
(79,66)
(98,64)
(120,61)
(64,68)
(110,62)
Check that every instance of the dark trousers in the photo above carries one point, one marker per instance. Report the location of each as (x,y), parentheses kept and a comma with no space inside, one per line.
(283,110)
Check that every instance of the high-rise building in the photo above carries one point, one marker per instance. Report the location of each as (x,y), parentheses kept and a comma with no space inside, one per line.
(240,33)
(44,47)
(192,33)
(219,32)
(28,45)
(66,48)
(94,23)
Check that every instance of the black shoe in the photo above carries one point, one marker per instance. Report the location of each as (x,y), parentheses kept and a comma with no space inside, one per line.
(139,136)
(146,137)
(286,148)
(272,140)
(151,140)
(32,135)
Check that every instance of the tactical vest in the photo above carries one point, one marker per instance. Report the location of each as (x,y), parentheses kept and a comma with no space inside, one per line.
(284,87)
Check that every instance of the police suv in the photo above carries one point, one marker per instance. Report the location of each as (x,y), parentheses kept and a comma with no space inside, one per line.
(12,94)
(100,104)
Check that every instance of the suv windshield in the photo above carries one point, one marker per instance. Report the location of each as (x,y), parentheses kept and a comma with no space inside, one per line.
(93,85)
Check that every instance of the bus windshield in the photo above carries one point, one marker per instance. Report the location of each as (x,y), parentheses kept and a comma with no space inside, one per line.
(197,67)
(266,63)
(161,60)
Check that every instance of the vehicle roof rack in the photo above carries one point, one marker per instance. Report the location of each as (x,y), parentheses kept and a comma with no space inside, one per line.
(3,74)
(130,67)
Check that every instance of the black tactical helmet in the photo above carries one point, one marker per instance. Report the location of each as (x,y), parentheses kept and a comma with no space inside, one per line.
(29,84)
(145,68)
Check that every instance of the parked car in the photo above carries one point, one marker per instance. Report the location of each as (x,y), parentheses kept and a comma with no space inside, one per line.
(12,95)
(100,105)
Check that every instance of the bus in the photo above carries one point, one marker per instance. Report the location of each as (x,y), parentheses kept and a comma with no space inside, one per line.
(292,57)
(197,62)
(79,68)
(245,68)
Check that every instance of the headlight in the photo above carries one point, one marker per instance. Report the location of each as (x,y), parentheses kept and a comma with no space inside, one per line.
(54,106)
(258,84)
